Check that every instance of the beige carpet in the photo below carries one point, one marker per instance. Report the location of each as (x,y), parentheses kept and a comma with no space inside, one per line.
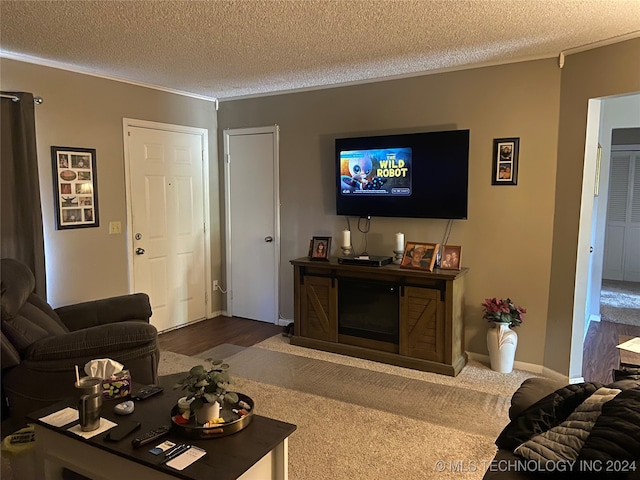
(620,302)
(359,419)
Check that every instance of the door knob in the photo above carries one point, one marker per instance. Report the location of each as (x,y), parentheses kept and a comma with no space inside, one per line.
(139,251)
(268,239)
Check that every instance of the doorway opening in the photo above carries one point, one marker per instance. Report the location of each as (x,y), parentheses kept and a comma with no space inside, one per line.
(610,296)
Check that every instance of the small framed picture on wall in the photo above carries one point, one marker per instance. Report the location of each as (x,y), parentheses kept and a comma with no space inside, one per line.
(505,161)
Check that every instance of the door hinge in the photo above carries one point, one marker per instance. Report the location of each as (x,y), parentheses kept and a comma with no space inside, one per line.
(228,159)
(204,227)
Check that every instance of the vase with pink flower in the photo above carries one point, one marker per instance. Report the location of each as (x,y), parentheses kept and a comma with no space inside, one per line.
(502,341)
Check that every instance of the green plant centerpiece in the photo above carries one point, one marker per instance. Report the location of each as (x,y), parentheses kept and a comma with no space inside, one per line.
(208,386)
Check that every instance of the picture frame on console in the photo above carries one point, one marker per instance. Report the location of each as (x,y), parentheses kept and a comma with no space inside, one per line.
(505,161)
(451,257)
(320,248)
(419,256)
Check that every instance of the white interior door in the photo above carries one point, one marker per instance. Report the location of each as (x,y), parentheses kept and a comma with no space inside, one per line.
(251,201)
(167,222)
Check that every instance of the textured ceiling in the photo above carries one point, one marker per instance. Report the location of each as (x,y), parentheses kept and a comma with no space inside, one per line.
(235,48)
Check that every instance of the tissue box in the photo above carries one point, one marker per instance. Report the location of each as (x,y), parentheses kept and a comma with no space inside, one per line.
(117,385)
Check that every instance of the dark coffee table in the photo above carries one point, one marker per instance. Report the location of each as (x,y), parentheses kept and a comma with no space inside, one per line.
(627,358)
(258,452)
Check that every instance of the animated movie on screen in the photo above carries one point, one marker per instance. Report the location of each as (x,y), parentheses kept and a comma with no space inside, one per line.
(383,171)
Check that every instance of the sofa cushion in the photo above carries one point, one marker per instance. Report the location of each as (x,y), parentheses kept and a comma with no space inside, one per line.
(546,413)
(611,451)
(565,441)
(30,325)
(17,284)
(107,310)
(96,342)
(26,318)
(10,356)
(612,445)
(616,434)
(532,390)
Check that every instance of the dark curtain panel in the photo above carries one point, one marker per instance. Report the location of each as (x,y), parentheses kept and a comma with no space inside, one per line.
(21,225)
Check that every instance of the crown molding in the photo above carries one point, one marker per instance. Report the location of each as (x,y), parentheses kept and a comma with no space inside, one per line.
(75,69)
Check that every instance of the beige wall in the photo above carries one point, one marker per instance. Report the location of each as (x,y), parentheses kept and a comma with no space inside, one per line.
(508,237)
(601,72)
(86,111)
(518,241)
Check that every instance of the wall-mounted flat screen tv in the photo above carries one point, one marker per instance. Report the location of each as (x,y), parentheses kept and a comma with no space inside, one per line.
(418,175)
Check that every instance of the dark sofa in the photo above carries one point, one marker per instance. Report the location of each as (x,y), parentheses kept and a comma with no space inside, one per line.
(41,346)
(611,449)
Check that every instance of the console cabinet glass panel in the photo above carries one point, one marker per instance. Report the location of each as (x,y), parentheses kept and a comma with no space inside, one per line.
(368,309)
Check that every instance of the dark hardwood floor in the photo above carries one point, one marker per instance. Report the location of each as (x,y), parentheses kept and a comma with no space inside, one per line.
(201,336)
(600,355)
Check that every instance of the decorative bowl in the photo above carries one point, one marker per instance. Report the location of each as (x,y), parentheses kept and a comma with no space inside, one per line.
(233,422)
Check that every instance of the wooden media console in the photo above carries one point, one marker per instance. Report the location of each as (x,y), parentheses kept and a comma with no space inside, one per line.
(409,318)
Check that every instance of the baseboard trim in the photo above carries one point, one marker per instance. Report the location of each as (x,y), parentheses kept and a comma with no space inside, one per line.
(548,372)
(193,322)
(281,322)
(592,318)
(527,367)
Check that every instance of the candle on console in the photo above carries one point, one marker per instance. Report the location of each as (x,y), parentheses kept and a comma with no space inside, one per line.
(346,238)
(399,241)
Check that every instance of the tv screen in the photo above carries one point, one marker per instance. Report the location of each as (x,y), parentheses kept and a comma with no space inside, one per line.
(420,175)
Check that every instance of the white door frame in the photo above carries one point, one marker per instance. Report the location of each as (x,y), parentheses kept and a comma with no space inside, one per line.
(204,135)
(275,130)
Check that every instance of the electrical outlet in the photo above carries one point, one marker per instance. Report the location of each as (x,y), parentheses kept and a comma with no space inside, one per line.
(215,285)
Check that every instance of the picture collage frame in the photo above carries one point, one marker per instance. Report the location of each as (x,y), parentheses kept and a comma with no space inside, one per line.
(75,187)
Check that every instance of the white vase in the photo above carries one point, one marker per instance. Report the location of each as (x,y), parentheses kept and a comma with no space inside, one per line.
(208,411)
(502,343)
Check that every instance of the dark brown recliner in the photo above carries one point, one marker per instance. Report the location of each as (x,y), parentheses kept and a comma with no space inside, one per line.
(41,346)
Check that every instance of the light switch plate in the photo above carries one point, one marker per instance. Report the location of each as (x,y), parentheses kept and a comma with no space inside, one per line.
(115,228)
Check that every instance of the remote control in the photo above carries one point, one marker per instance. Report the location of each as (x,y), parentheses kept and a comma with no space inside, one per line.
(146,392)
(150,436)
